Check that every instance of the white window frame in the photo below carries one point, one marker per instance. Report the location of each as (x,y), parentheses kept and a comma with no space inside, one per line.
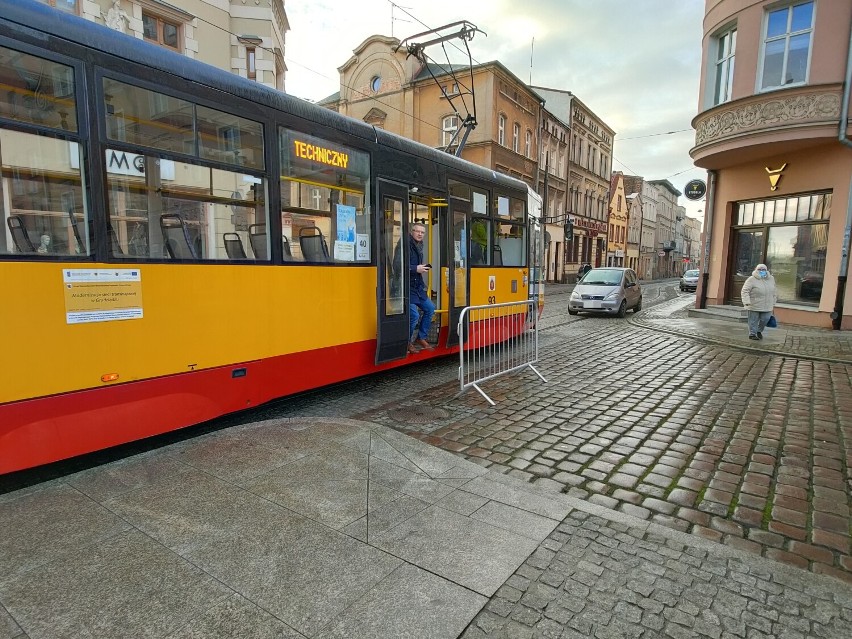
(516,138)
(786,36)
(528,144)
(449,126)
(501,130)
(725,43)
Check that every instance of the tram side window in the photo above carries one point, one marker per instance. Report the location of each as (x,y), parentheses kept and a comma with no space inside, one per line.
(480,242)
(41,196)
(162,206)
(510,241)
(41,179)
(325,216)
(164,209)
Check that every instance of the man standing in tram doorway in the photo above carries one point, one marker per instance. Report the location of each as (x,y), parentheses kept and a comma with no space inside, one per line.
(419,295)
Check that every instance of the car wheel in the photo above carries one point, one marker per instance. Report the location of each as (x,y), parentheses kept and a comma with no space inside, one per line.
(570,312)
(622,310)
(638,306)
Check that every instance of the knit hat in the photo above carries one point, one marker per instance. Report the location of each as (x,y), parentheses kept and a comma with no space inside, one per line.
(761,267)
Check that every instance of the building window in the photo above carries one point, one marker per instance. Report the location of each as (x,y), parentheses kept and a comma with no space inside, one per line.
(501,130)
(251,63)
(67,6)
(726,45)
(376,84)
(161,31)
(516,138)
(528,145)
(787,46)
(449,126)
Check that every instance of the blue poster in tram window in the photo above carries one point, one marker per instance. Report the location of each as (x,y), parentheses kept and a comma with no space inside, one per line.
(345,223)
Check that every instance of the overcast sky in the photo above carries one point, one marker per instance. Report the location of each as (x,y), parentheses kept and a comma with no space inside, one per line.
(635,63)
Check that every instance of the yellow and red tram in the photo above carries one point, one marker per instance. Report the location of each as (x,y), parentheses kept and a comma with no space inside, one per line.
(179,243)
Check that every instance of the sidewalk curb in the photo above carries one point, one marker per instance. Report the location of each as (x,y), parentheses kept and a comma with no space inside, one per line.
(639,320)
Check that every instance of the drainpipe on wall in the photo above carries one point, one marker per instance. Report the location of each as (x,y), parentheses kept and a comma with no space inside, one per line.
(837,314)
(708,233)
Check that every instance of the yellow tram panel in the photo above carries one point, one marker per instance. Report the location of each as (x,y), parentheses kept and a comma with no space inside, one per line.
(497,285)
(193,317)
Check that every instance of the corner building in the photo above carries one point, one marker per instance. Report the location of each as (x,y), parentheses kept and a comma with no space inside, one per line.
(772,133)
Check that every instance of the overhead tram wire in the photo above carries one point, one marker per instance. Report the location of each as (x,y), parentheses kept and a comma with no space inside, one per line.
(322,75)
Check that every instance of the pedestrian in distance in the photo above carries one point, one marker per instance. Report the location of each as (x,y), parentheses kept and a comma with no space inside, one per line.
(419,295)
(759,297)
(585,268)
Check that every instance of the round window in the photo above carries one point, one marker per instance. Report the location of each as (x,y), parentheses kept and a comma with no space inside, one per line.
(376,84)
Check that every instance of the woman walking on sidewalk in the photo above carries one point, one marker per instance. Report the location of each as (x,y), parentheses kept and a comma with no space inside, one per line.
(759,297)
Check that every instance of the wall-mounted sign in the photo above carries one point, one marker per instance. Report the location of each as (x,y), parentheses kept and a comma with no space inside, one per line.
(695,189)
(774,176)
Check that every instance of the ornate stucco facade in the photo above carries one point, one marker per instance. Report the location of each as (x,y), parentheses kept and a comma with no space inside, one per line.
(245,37)
(771,133)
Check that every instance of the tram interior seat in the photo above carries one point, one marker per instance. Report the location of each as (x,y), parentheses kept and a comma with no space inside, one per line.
(176,237)
(115,247)
(313,245)
(19,234)
(234,246)
(83,247)
(285,246)
(498,255)
(257,239)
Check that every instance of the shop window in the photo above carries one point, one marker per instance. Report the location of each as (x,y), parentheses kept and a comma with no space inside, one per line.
(790,235)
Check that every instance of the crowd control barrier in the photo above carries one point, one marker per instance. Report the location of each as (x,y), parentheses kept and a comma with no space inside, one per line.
(496,339)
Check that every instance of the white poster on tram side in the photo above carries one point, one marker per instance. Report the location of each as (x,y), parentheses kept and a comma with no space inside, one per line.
(362,247)
(102,295)
(344,251)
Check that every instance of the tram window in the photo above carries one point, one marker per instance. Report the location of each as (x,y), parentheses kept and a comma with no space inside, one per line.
(148,118)
(325,215)
(480,203)
(227,138)
(480,242)
(42,187)
(203,205)
(517,209)
(511,244)
(37,91)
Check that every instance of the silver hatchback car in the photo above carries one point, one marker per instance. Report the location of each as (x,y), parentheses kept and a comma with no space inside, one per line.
(611,290)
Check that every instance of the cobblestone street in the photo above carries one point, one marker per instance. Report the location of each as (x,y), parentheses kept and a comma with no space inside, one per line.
(741,447)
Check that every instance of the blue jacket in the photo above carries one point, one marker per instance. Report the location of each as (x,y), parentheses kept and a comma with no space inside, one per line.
(415,258)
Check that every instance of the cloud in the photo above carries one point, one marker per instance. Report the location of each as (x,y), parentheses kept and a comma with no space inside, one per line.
(635,64)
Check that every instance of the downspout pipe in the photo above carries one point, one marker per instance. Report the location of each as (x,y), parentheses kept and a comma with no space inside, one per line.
(837,313)
(708,233)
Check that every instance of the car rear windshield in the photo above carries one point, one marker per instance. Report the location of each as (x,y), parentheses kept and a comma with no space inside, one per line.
(602,277)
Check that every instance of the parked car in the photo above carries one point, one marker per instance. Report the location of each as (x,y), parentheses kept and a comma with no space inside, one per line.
(689,281)
(609,290)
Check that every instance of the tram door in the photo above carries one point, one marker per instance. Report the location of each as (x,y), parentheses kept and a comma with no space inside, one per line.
(457,283)
(393,282)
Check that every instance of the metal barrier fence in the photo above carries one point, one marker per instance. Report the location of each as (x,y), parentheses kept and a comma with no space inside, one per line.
(496,339)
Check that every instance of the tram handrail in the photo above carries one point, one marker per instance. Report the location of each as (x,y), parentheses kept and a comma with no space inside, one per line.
(496,339)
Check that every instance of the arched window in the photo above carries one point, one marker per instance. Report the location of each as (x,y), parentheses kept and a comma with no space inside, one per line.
(449,126)
(528,144)
(516,138)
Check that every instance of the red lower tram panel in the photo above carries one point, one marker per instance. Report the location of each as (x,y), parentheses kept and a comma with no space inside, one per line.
(44,430)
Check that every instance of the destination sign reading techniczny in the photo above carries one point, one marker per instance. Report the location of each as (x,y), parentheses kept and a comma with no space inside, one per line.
(320,154)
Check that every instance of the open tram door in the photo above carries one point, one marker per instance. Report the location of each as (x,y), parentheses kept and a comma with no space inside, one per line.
(457,276)
(400,208)
(392,273)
